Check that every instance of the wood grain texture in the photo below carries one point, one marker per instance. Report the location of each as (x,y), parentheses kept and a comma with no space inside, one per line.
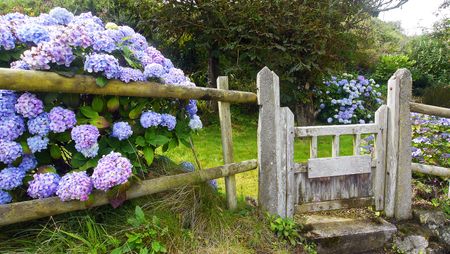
(357,144)
(379,176)
(334,205)
(39,208)
(429,109)
(290,177)
(42,81)
(430,170)
(335,146)
(329,130)
(339,166)
(313,147)
(227,143)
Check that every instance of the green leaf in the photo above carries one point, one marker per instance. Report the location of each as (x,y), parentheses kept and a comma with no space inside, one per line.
(89,164)
(140,141)
(127,148)
(99,122)
(143,251)
(136,112)
(88,112)
(98,104)
(148,155)
(78,160)
(113,104)
(55,152)
(159,140)
(139,213)
(101,81)
(150,134)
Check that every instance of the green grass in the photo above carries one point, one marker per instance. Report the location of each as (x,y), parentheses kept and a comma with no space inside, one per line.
(208,146)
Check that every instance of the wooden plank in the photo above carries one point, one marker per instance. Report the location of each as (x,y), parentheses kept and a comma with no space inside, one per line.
(313,147)
(290,178)
(269,145)
(227,143)
(334,205)
(339,166)
(357,144)
(430,170)
(429,109)
(335,148)
(300,167)
(398,198)
(379,175)
(40,208)
(330,130)
(43,81)
(332,188)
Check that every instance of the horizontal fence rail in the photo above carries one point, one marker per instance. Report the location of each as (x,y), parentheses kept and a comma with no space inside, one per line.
(39,208)
(329,130)
(430,170)
(429,109)
(41,81)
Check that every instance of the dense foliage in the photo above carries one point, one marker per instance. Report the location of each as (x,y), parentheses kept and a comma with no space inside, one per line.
(347,100)
(70,144)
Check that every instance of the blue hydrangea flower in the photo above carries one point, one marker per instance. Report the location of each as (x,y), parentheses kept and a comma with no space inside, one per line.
(37,143)
(61,15)
(112,170)
(7,40)
(213,184)
(129,74)
(150,119)
(187,166)
(121,130)
(191,108)
(11,127)
(34,33)
(9,151)
(168,121)
(85,137)
(29,106)
(174,76)
(61,119)
(43,185)
(195,123)
(28,163)
(7,101)
(5,198)
(75,186)
(90,152)
(154,70)
(105,63)
(40,125)
(102,42)
(11,178)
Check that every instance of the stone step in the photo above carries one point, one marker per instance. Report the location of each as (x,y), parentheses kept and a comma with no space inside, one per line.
(334,234)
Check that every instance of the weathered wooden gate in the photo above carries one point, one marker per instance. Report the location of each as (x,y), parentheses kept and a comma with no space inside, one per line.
(337,182)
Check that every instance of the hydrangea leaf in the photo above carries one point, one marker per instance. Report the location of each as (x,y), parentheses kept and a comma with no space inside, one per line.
(101,81)
(149,155)
(98,104)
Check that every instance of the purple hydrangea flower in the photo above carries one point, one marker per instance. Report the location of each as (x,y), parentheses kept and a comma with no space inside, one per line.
(85,137)
(39,57)
(37,143)
(150,119)
(61,119)
(111,170)
(102,42)
(11,178)
(129,74)
(174,76)
(191,108)
(105,63)
(121,130)
(62,16)
(7,101)
(5,198)
(154,70)
(43,185)
(34,33)
(90,152)
(28,105)
(28,163)
(9,151)
(7,40)
(168,121)
(75,186)
(11,127)
(40,125)
(187,166)
(195,123)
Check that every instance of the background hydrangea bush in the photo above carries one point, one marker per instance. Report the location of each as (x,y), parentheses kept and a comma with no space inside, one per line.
(348,100)
(68,145)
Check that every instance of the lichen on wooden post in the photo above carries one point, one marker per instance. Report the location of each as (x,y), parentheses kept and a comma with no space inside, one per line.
(398,198)
(227,143)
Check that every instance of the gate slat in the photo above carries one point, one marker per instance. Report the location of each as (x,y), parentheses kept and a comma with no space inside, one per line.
(339,166)
(335,147)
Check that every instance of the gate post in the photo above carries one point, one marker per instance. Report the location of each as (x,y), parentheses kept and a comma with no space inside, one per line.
(275,125)
(398,162)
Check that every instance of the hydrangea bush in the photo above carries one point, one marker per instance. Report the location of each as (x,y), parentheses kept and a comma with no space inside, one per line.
(348,100)
(69,145)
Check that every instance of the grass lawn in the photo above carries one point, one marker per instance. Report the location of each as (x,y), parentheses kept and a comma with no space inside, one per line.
(209,149)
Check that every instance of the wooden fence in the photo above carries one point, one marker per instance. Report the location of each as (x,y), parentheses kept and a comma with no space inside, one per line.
(38,81)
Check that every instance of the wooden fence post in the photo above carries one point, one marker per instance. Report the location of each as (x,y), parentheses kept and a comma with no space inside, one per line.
(398,198)
(272,179)
(227,143)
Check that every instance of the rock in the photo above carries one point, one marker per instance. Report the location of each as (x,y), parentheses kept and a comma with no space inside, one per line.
(413,244)
(436,221)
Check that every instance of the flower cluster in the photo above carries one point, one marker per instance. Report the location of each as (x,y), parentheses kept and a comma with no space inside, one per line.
(348,100)
(85,137)
(43,185)
(75,186)
(5,197)
(153,119)
(112,170)
(61,119)
(430,139)
(11,178)
(121,130)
